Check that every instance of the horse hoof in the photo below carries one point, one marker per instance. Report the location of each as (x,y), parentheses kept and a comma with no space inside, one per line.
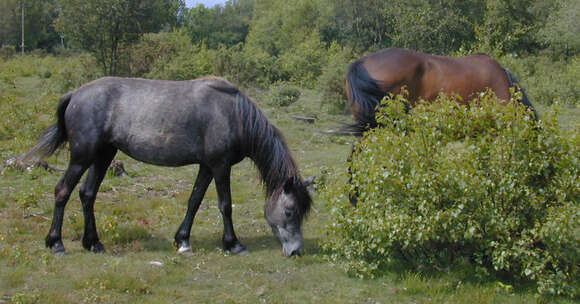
(185,250)
(97,248)
(58,249)
(243,252)
(239,249)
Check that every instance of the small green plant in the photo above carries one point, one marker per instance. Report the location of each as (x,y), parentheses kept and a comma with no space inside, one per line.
(447,183)
(6,52)
(283,95)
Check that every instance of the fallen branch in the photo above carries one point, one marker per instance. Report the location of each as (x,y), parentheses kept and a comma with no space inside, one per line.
(304,119)
(17,163)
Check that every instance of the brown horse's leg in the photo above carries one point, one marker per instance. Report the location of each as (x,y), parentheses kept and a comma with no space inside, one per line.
(62,193)
(88,194)
(229,239)
(204,177)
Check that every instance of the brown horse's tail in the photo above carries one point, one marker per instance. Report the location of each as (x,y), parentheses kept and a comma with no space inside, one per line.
(364,96)
(54,136)
(525,100)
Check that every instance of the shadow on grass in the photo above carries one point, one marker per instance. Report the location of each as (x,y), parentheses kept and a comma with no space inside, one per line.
(258,243)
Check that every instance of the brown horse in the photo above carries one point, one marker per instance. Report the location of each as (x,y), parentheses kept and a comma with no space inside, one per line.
(424,76)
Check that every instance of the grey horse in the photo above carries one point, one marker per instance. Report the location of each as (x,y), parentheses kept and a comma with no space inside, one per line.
(205,121)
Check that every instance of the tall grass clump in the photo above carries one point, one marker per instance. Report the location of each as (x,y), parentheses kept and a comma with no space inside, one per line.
(447,185)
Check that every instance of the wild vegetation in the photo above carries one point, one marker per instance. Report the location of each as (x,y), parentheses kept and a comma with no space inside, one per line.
(291,57)
(445,185)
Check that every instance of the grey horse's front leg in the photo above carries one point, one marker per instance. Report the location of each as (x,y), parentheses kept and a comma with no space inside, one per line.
(204,177)
(229,239)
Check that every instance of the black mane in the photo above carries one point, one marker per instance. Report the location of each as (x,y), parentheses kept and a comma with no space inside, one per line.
(266,146)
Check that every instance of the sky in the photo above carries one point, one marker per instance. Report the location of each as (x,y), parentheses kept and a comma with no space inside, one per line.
(208,3)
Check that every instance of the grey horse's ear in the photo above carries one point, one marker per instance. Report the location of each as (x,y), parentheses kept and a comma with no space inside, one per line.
(309,181)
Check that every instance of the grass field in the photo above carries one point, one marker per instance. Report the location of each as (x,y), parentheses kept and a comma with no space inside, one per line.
(138,215)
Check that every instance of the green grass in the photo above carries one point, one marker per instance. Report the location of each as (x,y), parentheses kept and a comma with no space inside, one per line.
(137,217)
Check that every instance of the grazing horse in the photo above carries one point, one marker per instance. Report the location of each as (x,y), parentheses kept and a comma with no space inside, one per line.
(393,70)
(424,77)
(205,121)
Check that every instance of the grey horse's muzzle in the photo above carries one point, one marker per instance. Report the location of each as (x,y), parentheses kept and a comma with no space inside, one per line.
(291,241)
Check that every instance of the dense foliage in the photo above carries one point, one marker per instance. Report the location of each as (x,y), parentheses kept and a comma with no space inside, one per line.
(102,27)
(284,30)
(448,184)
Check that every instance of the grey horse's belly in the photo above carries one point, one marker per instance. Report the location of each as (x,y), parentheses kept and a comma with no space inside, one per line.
(159,146)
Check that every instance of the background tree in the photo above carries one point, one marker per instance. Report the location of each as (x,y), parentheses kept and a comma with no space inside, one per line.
(439,27)
(509,26)
(38,24)
(102,27)
(364,24)
(562,29)
(220,25)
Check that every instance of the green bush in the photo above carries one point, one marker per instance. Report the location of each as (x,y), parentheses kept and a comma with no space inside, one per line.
(19,66)
(332,80)
(547,80)
(153,48)
(302,63)
(246,65)
(447,183)
(193,62)
(69,73)
(283,95)
(6,52)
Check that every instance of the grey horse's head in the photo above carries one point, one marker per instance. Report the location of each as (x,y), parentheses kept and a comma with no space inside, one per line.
(285,210)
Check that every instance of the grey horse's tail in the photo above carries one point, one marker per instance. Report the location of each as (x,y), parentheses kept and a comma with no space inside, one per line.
(54,136)
(525,100)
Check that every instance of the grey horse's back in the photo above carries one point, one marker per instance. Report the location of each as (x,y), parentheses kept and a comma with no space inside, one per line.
(157,121)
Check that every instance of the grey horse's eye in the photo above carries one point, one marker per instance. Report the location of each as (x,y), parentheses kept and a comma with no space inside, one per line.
(289,213)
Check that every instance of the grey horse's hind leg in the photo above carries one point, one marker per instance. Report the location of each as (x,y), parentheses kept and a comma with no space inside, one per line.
(229,240)
(62,194)
(88,194)
(204,177)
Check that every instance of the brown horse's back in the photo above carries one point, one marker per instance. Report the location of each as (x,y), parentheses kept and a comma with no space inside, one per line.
(426,76)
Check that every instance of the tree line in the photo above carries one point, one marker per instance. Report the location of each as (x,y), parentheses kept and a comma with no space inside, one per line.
(276,30)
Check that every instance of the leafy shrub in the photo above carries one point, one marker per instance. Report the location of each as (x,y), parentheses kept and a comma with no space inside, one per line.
(283,95)
(303,63)
(71,72)
(332,80)
(191,63)
(6,52)
(19,66)
(546,80)
(246,65)
(448,183)
(153,48)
